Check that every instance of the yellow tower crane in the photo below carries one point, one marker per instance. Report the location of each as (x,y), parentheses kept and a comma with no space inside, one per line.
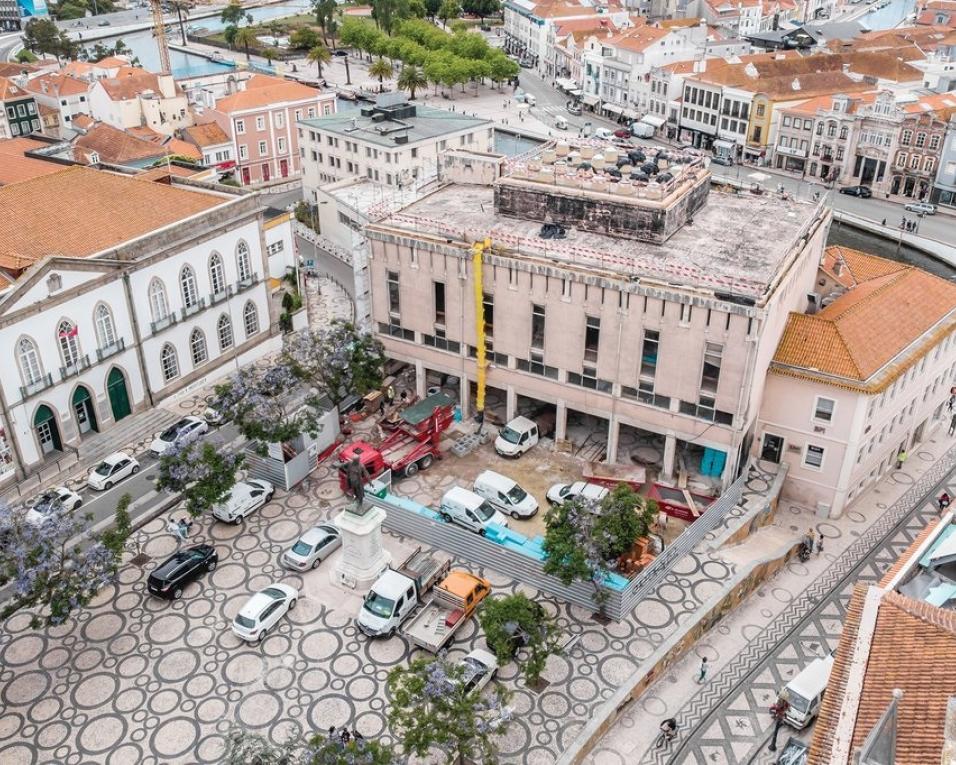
(159,32)
(477,252)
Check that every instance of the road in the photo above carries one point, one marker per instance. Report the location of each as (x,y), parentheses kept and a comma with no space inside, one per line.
(728,721)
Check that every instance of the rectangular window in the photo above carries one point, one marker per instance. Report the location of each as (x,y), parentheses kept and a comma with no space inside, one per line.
(243,151)
(394,304)
(710,374)
(813,457)
(280,119)
(823,409)
(686,311)
(439,302)
(262,148)
(488,306)
(537,326)
(260,123)
(649,353)
(592,337)
(240,126)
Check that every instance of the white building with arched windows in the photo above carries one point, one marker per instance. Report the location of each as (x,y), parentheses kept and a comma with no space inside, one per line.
(137,291)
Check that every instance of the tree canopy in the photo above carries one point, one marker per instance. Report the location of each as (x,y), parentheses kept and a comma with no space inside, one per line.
(513,622)
(203,473)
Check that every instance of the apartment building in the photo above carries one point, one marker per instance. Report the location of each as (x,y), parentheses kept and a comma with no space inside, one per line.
(67,96)
(260,120)
(213,143)
(18,110)
(659,312)
(920,143)
(944,187)
(153,288)
(862,373)
(749,17)
(137,98)
(393,142)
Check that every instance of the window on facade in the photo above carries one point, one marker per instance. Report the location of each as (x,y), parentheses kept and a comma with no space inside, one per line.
(649,353)
(66,333)
(934,142)
(592,337)
(928,164)
(158,304)
(901,160)
(907,138)
(243,262)
(187,282)
(394,301)
(537,326)
(168,362)
(260,123)
(240,126)
(250,319)
(197,347)
(488,308)
(29,359)
(823,409)
(217,274)
(439,302)
(844,132)
(920,140)
(105,330)
(710,374)
(813,456)
(224,332)
(914,161)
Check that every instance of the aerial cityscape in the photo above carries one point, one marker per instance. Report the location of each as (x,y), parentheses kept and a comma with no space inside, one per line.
(534,382)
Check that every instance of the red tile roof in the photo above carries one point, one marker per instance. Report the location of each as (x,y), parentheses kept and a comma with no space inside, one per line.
(115,146)
(58,85)
(10,91)
(16,167)
(207,134)
(263,91)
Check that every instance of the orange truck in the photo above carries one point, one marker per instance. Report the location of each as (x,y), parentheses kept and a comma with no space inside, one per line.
(452,603)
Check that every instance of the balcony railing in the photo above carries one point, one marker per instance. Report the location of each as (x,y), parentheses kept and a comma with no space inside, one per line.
(75,368)
(111,350)
(196,307)
(244,284)
(218,297)
(35,387)
(161,324)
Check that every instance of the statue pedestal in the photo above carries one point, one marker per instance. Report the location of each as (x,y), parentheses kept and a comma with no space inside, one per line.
(363,558)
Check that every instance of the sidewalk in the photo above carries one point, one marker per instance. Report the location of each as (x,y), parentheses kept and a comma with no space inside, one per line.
(678,694)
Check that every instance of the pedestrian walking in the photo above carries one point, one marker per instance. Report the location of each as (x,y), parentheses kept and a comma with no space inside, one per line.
(901,458)
(184,527)
(952,425)
(810,538)
(702,675)
(819,545)
(884,222)
(944,501)
(389,395)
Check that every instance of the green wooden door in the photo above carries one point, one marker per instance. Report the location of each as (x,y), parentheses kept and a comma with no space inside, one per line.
(48,432)
(83,410)
(119,394)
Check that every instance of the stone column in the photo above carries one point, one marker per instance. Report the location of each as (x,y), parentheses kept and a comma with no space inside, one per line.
(464,396)
(670,452)
(613,432)
(421,384)
(363,558)
(511,403)
(561,422)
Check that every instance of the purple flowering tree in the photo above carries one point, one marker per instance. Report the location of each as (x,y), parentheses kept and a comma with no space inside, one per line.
(203,473)
(56,566)
(268,406)
(340,360)
(433,710)
(244,747)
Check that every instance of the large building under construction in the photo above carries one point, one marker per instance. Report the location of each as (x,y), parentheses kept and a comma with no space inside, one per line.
(617,288)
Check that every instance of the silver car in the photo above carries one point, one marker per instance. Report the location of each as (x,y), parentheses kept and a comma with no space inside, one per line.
(313,547)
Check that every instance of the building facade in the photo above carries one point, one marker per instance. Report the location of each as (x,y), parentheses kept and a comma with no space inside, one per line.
(919,147)
(20,115)
(68,96)
(137,98)
(944,187)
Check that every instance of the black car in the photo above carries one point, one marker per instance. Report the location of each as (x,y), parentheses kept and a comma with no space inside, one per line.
(857,191)
(169,578)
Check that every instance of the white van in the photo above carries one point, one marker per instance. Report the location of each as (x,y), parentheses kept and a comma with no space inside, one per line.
(469,510)
(505,494)
(515,438)
(560,122)
(604,134)
(530,100)
(805,692)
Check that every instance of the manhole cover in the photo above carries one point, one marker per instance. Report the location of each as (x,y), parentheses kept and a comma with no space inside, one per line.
(141,560)
(151,477)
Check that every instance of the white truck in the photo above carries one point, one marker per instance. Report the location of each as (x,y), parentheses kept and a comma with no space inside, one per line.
(452,603)
(642,130)
(398,592)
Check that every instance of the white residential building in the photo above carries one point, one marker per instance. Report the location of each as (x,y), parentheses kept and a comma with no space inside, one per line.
(137,98)
(68,96)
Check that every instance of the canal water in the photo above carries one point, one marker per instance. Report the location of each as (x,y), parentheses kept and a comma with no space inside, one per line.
(888,17)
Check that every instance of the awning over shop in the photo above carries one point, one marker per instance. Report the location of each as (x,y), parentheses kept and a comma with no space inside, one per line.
(565,83)
(612,108)
(653,121)
(576,92)
(630,114)
(589,99)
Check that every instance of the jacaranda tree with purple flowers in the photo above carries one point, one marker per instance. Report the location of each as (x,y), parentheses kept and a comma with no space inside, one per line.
(339,360)
(432,709)
(55,566)
(245,747)
(203,473)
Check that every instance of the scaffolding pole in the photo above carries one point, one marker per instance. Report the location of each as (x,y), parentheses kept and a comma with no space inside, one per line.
(478,251)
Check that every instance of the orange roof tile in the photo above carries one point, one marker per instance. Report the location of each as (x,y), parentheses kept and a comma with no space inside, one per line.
(163,172)
(207,134)
(58,85)
(862,331)
(117,147)
(262,91)
(637,38)
(825,102)
(129,83)
(16,167)
(115,209)
(82,121)
(182,148)
(911,641)
(10,91)
(12,69)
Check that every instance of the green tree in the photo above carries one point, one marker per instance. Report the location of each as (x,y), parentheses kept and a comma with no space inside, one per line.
(431,8)
(624,518)
(481,8)
(568,542)
(232,14)
(417,9)
(319,55)
(246,37)
(411,78)
(304,38)
(380,68)
(229,35)
(201,472)
(325,11)
(244,747)
(449,9)
(114,538)
(44,36)
(513,621)
(182,8)
(432,709)
(271,54)
(501,68)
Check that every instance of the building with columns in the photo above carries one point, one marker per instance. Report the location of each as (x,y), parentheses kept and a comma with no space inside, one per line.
(658,307)
(144,290)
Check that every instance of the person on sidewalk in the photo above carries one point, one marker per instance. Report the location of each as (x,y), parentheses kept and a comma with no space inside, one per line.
(901,458)
(952,425)
(944,501)
(702,675)
(184,527)
(819,545)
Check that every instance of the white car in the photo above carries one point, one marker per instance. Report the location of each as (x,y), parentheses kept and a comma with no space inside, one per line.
(313,547)
(589,492)
(479,667)
(51,500)
(263,610)
(245,497)
(921,208)
(178,433)
(111,471)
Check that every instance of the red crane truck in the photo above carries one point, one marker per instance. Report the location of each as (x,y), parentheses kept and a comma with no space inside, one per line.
(411,447)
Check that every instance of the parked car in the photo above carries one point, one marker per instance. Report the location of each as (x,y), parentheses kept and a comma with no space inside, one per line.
(263,610)
(590,492)
(178,433)
(574,108)
(51,500)
(864,192)
(603,133)
(340,52)
(921,208)
(478,667)
(505,494)
(313,547)
(622,133)
(111,471)
(467,509)
(721,159)
(245,497)
(169,578)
